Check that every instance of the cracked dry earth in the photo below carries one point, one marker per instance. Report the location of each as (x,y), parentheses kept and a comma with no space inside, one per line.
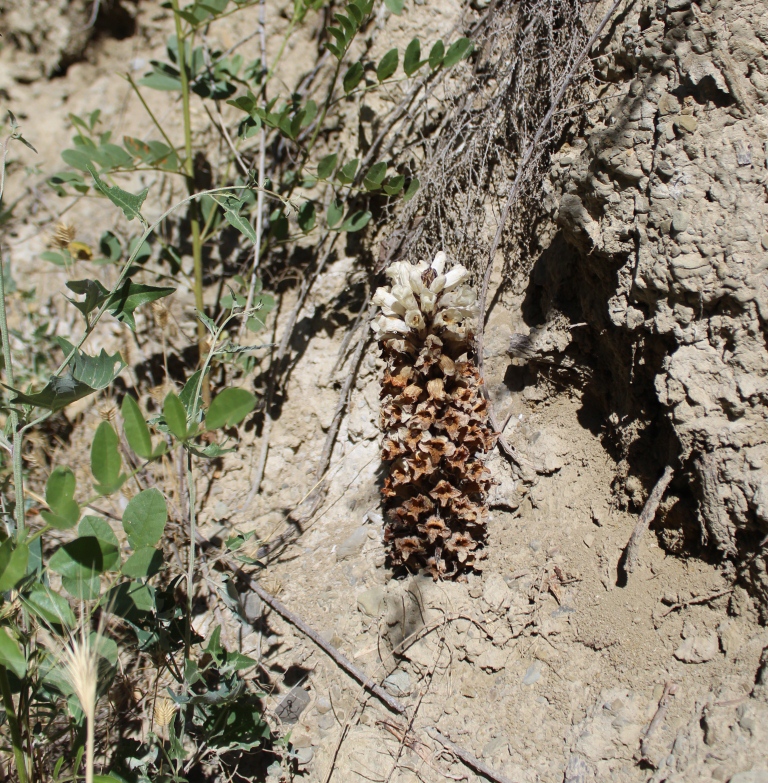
(542,665)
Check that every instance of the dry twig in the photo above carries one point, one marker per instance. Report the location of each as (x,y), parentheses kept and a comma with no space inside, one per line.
(341,660)
(701,599)
(670,688)
(467,758)
(646,516)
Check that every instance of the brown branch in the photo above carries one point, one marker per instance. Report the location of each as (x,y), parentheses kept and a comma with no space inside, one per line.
(670,688)
(467,758)
(341,660)
(701,599)
(646,516)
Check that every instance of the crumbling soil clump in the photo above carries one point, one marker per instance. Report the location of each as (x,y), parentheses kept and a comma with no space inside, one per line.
(660,198)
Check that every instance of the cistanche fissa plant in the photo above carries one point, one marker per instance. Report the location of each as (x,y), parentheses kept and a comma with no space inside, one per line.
(434,418)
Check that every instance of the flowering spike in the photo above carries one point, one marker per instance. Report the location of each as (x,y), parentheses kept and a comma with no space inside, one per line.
(434,418)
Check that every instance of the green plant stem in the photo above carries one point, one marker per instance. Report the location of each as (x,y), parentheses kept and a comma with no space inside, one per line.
(152,117)
(191,559)
(13,725)
(18,476)
(189,165)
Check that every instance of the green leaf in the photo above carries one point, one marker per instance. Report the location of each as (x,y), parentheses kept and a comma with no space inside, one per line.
(236,661)
(135,428)
(131,295)
(352,77)
(335,211)
(144,518)
(162,77)
(336,51)
(241,224)
(387,65)
(84,557)
(436,54)
(128,202)
(375,176)
(110,246)
(189,390)
(130,600)
(356,221)
(306,216)
(59,495)
(77,159)
(13,564)
(143,563)
(49,606)
(396,6)
(97,371)
(175,415)
(326,166)
(11,655)
(229,408)
(106,460)
(57,257)
(94,292)
(87,374)
(411,59)
(458,50)
(98,528)
(393,185)
(410,191)
(60,179)
(346,173)
(137,148)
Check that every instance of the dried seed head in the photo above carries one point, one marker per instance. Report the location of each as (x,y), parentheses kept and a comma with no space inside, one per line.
(160,311)
(63,235)
(165,709)
(108,412)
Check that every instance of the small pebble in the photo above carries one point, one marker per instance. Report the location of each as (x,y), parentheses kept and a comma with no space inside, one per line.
(532,674)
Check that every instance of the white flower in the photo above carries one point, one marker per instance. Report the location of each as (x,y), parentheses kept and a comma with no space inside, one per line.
(437,285)
(438,263)
(455,315)
(428,302)
(461,297)
(455,277)
(415,320)
(399,272)
(416,283)
(404,295)
(388,302)
(385,325)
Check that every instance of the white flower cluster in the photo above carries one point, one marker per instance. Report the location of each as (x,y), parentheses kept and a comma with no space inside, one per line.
(424,297)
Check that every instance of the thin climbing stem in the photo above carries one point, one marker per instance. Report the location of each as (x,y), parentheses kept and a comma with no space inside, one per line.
(18,476)
(13,726)
(189,167)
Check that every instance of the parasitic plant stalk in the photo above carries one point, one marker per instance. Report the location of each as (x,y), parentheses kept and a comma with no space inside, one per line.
(434,418)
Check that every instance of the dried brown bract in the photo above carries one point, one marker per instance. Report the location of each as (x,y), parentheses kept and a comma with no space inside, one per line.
(434,418)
